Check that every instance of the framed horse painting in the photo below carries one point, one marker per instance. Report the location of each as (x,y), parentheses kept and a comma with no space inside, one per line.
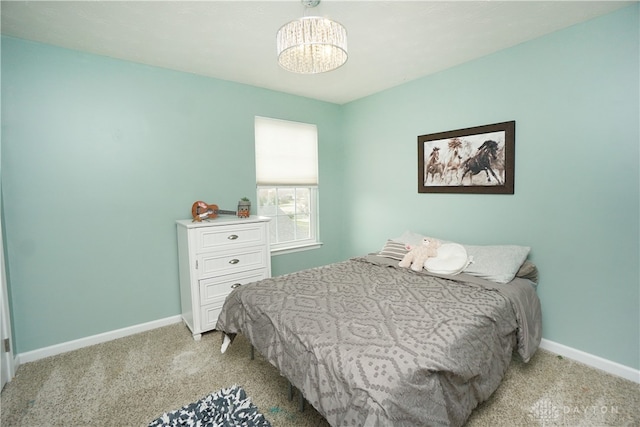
(472,160)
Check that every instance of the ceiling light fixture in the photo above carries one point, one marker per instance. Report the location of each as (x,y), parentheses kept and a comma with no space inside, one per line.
(312,44)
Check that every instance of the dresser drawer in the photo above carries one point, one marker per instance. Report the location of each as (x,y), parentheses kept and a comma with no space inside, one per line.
(212,289)
(230,236)
(209,315)
(217,263)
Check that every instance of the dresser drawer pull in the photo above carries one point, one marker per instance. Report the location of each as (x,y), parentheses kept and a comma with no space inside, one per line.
(236,285)
(234,261)
(233,237)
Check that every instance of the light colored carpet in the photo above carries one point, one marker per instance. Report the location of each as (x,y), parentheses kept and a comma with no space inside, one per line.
(133,380)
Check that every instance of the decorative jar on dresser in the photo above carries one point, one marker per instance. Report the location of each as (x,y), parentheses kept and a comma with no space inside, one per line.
(216,256)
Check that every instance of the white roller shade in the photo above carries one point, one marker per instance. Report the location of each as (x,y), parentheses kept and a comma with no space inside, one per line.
(286,152)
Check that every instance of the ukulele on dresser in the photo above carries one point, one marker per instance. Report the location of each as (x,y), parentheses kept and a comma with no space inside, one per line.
(201,210)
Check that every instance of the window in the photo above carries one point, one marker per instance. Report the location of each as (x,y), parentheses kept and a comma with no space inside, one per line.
(287,181)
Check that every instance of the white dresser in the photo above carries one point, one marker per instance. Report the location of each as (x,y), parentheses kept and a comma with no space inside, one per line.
(216,256)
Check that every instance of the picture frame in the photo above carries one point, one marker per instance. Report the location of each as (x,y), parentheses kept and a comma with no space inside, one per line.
(478,159)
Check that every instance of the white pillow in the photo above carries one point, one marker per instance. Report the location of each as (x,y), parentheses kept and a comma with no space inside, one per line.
(409,237)
(497,263)
(452,259)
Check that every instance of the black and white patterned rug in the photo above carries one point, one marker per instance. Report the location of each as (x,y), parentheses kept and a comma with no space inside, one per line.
(229,407)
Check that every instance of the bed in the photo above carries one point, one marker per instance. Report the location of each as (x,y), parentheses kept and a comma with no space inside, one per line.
(371,344)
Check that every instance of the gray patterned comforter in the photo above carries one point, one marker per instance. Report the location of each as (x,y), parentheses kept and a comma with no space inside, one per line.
(373,345)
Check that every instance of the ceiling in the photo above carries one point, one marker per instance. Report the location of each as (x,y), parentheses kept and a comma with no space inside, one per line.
(390,42)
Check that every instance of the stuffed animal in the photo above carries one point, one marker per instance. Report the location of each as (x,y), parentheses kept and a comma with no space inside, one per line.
(417,255)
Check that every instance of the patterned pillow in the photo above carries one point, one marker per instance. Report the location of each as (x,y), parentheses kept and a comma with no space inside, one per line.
(393,250)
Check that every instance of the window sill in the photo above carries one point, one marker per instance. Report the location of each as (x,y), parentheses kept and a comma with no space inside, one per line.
(299,248)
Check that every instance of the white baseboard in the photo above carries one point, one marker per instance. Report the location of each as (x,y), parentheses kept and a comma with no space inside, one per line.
(41,353)
(592,361)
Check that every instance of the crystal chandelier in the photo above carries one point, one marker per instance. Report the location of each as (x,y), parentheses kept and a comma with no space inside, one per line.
(312,44)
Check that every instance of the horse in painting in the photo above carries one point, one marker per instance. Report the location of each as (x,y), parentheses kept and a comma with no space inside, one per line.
(482,161)
(434,166)
(453,161)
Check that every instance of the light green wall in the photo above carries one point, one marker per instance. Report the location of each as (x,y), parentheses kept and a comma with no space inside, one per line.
(574,96)
(100,157)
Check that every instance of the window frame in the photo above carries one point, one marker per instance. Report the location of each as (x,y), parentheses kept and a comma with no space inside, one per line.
(296,245)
